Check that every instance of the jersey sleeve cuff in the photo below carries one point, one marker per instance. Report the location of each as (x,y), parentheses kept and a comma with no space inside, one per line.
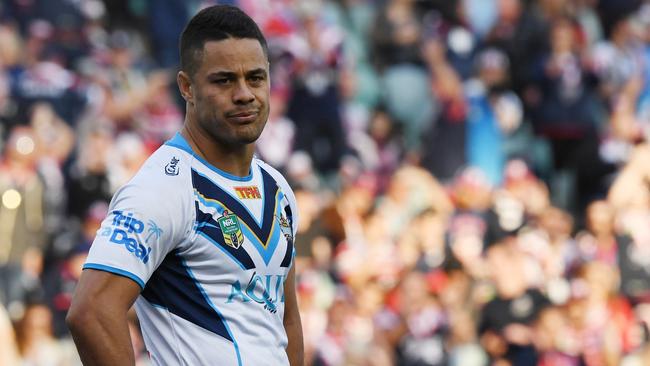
(117,271)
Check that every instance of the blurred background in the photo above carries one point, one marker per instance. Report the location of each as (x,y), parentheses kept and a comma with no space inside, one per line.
(473,176)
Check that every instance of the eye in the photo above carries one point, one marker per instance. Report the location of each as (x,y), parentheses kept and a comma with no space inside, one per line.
(256,78)
(221,81)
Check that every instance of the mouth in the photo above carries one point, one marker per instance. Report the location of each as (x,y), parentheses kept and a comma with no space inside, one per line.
(243,117)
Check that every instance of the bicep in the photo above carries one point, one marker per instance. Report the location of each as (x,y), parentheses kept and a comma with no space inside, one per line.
(290,298)
(104,289)
(292,323)
(98,318)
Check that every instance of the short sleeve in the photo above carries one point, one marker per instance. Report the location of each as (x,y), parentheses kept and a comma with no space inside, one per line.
(142,226)
(290,207)
(293,207)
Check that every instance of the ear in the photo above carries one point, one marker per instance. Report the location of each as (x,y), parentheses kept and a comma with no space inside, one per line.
(185,86)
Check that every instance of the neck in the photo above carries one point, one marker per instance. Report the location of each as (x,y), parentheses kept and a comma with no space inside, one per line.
(235,160)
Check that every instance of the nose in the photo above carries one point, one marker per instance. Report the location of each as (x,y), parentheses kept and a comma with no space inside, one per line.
(242,93)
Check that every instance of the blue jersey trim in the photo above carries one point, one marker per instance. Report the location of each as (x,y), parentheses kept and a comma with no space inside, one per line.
(212,233)
(265,253)
(117,271)
(210,191)
(263,193)
(179,142)
(207,227)
(172,287)
(266,250)
(225,191)
(207,299)
(224,250)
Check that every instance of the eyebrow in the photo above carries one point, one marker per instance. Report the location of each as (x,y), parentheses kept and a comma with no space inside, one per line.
(256,71)
(230,74)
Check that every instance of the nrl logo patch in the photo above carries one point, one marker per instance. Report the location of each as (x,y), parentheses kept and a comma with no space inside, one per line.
(231,230)
(285,228)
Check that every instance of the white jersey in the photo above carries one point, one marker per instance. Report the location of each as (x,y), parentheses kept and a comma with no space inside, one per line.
(211,252)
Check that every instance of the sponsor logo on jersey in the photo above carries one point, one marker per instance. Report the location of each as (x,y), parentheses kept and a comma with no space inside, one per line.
(265,290)
(231,230)
(285,228)
(250,192)
(153,231)
(172,167)
(125,230)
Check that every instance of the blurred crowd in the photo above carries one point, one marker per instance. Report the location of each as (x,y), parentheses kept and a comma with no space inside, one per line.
(473,176)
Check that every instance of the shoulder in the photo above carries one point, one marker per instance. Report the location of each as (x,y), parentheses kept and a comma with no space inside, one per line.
(164,180)
(167,168)
(291,206)
(277,176)
(160,195)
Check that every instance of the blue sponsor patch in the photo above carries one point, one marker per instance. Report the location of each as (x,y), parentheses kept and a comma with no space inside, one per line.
(124,231)
(121,237)
(127,221)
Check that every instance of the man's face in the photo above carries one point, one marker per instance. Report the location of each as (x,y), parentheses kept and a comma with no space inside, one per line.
(230,91)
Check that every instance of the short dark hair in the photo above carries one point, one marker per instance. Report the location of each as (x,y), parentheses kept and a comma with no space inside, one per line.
(215,23)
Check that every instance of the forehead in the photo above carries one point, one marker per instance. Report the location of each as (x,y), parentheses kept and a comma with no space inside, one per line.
(237,55)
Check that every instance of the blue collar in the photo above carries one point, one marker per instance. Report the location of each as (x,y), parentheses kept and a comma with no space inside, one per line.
(179,142)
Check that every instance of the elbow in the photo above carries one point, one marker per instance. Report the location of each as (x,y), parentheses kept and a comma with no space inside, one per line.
(73,319)
(80,315)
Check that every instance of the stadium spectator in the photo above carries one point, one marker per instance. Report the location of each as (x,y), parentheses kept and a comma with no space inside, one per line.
(8,346)
(451,158)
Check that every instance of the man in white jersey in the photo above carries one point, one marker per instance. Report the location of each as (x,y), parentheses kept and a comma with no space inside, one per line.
(201,239)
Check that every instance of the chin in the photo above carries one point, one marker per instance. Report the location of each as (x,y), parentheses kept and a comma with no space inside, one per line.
(244,141)
(235,138)
(239,139)
(249,135)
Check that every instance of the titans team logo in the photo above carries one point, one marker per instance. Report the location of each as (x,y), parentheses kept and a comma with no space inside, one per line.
(285,228)
(231,230)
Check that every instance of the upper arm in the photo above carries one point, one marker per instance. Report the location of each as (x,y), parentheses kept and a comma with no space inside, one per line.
(290,297)
(291,321)
(100,289)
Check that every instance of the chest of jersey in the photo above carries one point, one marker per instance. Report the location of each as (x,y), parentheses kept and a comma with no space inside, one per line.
(243,237)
